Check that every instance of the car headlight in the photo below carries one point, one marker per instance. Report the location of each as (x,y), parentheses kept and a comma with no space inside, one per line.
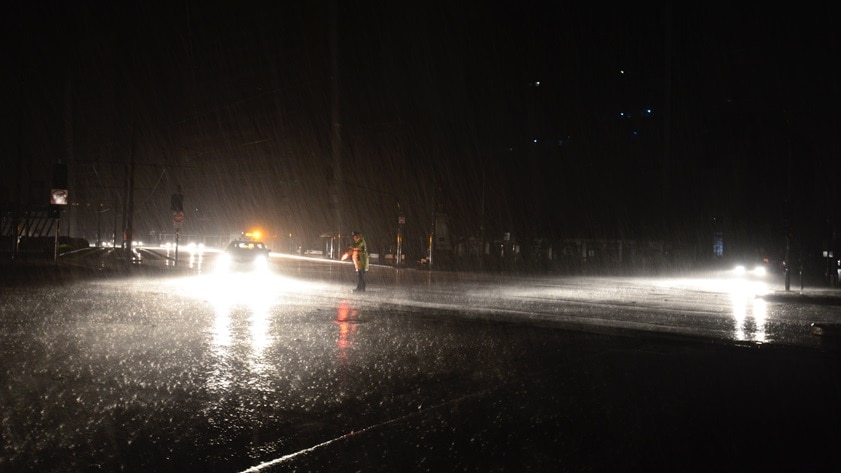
(261,262)
(224,260)
(757,271)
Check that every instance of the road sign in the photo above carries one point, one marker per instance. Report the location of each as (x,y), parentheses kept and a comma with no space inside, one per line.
(178,217)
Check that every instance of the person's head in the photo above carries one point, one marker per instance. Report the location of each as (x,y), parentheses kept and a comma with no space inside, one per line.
(355,235)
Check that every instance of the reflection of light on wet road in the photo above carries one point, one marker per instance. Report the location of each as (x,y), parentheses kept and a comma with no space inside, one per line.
(229,296)
(749,310)
(220,375)
(195,261)
(260,338)
(222,328)
(760,315)
(746,305)
(746,308)
(346,317)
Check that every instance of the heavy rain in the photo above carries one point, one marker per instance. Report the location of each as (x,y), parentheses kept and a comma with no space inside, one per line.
(600,238)
(539,125)
(286,370)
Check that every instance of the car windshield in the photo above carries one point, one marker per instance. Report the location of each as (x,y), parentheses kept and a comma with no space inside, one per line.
(247,245)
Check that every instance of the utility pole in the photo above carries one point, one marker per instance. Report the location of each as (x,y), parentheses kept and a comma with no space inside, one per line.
(434,220)
(177,208)
(130,204)
(335,193)
(401,220)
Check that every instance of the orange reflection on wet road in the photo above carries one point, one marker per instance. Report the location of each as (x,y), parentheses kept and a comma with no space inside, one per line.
(346,319)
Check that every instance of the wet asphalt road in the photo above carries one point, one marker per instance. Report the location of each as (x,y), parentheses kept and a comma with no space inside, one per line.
(194,372)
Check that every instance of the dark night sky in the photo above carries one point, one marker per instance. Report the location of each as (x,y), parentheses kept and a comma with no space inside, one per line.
(234,101)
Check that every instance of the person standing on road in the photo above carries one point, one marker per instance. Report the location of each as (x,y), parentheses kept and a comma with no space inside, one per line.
(359,252)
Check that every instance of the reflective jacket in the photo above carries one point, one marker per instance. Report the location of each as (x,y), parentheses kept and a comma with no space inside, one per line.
(360,254)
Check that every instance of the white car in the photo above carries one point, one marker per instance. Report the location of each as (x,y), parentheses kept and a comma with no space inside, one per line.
(245,255)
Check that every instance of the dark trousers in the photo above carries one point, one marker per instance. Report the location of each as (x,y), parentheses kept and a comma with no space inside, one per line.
(360,279)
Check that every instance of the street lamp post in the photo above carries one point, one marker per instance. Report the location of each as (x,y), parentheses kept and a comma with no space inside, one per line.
(177,207)
(401,219)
